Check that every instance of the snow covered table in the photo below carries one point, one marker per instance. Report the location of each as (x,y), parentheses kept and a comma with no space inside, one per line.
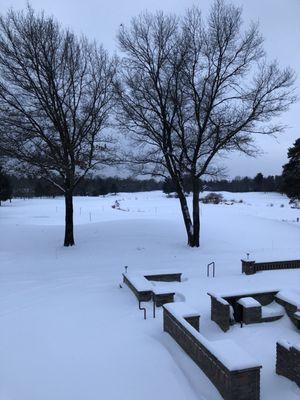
(242,307)
(251,310)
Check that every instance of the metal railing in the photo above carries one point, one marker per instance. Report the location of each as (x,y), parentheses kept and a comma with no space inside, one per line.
(213,265)
(143,309)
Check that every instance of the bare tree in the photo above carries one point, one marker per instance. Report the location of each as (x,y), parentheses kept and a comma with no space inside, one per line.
(55,99)
(191,90)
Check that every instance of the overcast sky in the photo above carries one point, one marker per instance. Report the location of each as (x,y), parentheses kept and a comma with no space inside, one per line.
(279,24)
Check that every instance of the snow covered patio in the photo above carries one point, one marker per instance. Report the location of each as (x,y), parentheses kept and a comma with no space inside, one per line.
(69,332)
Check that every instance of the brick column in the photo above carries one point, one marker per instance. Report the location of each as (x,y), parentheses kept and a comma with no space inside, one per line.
(248,267)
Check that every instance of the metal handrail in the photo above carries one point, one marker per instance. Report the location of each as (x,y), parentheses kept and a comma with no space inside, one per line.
(143,309)
(154,304)
(214,269)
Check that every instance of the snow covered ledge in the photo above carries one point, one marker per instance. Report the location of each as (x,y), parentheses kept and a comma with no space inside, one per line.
(234,372)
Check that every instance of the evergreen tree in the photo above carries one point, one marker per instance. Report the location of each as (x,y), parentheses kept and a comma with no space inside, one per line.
(114,188)
(5,187)
(291,173)
(258,182)
(168,186)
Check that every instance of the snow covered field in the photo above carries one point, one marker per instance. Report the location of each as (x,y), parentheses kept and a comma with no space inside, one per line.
(68,332)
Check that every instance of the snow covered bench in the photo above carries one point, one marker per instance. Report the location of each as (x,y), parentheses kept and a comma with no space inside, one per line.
(290,300)
(246,307)
(251,267)
(235,374)
(288,360)
(144,290)
(139,286)
(253,312)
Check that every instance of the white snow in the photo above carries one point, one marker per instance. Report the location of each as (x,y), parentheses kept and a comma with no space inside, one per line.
(249,302)
(290,296)
(181,310)
(219,299)
(139,282)
(68,332)
(272,310)
(162,290)
(285,343)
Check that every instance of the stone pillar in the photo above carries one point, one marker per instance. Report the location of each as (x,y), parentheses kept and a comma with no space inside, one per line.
(248,267)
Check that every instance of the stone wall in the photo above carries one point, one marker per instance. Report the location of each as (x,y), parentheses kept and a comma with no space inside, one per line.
(220,313)
(288,362)
(251,267)
(233,385)
(171,277)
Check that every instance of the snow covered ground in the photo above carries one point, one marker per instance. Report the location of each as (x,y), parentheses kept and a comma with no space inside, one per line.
(68,332)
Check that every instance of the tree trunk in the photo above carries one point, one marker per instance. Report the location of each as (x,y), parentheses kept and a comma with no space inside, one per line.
(196,214)
(69,235)
(186,214)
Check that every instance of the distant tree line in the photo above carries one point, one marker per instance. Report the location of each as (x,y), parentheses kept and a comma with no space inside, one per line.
(25,187)
(259,183)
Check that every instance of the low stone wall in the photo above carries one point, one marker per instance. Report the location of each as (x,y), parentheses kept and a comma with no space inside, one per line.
(220,313)
(251,267)
(288,361)
(242,384)
(166,277)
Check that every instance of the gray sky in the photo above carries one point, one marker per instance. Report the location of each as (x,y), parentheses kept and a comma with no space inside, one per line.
(279,24)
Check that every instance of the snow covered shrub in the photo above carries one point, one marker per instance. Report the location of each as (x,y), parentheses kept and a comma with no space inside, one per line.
(295,203)
(213,198)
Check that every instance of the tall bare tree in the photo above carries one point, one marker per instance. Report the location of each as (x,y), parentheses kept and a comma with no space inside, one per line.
(55,99)
(191,90)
